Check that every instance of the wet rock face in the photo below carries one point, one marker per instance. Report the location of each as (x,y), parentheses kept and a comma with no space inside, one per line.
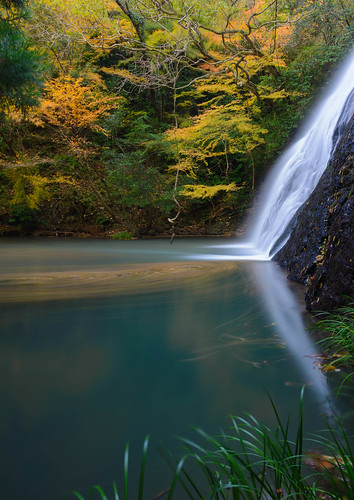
(320,250)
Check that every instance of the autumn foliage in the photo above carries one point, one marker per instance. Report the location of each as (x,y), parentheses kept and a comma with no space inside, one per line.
(74,106)
(147,103)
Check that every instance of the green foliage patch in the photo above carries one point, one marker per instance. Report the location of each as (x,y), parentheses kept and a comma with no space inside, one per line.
(122,235)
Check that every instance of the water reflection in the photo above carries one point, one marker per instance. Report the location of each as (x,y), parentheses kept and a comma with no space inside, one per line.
(285,312)
(33,376)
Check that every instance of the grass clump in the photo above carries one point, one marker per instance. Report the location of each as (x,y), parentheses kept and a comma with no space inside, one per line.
(122,235)
(338,328)
(253,462)
(256,462)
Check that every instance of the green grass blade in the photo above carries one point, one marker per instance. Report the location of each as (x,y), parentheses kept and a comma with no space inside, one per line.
(193,485)
(100,491)
(126,463)
(142,468)
(116,496)
(77,494)
(175,478)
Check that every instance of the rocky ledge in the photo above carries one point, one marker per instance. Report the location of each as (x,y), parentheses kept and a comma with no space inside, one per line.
(320,250)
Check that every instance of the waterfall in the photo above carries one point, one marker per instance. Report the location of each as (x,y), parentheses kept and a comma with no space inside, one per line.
(299,169)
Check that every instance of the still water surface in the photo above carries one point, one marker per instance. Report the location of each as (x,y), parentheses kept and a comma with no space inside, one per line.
(104,342)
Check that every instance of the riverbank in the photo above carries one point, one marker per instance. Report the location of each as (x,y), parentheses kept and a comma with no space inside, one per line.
(222,225)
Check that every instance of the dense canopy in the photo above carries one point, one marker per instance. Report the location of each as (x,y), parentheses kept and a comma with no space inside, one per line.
(118,117)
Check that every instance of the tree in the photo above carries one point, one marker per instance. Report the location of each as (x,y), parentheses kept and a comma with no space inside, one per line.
(20,72)
(73,108)
(62,28)
(220,38)
(222,132)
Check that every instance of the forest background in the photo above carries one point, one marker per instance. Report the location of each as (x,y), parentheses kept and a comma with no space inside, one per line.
(135,118)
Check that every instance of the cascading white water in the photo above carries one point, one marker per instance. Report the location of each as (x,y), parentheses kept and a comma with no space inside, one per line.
(299,169)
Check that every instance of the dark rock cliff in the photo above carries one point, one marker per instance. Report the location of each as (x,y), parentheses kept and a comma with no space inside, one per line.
(320,250)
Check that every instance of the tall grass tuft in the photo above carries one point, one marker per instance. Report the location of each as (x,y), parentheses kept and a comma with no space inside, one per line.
(251,462)
(97,492)
(338,328)
(254,462)
(336,478)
